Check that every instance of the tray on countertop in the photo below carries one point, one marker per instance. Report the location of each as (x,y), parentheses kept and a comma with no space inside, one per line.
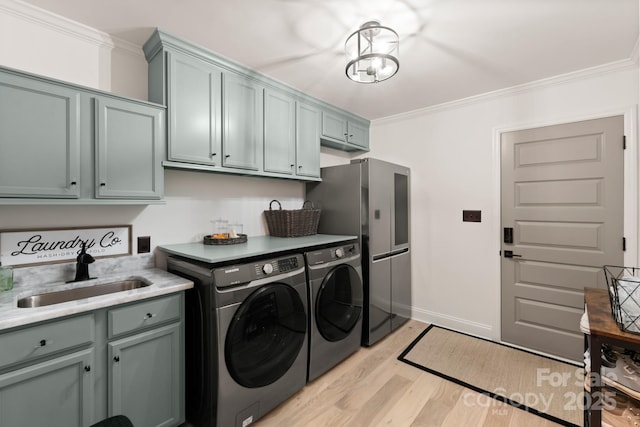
(209,240)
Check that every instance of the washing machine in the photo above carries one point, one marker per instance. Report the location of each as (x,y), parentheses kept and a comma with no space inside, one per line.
(335,306)
(246,338)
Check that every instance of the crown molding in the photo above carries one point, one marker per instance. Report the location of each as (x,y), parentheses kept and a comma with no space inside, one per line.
(36,15)
(634,53)
(586,73)
(127,47)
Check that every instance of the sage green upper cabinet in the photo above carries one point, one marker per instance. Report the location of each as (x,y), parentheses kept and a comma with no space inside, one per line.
(344,133)
(129,150)
(334,126)
(224,117)
(358,134)
(279,132)
(129,145)
(291,136)
(242,122)
(195,120)
(308,140)
(39,139)
(66,144)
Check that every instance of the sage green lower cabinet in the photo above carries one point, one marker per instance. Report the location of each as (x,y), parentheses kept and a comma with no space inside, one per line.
(78,370)
(39,139)
(129,150)
(144,377)
(56,392)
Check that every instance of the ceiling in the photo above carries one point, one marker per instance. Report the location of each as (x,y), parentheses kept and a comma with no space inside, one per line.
(449,49)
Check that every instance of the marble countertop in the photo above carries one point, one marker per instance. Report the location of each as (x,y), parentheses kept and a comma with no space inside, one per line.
(27,283)
(255,246)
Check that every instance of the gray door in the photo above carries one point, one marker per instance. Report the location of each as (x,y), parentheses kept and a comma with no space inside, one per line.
(562,196)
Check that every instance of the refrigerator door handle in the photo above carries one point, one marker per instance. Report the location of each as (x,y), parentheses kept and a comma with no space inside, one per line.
(390,254)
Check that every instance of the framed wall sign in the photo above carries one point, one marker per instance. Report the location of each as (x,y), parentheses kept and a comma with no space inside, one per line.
(43,246)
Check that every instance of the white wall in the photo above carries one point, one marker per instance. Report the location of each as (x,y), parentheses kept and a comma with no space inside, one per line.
(453,154)
(451,151)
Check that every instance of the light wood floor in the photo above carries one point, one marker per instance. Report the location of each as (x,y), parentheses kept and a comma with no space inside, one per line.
(373,388)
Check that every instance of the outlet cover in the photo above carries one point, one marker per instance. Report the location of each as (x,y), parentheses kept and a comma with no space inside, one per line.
(472,216)
(144,244)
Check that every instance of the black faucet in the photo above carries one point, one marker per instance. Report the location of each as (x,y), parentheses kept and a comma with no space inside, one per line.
(82,265)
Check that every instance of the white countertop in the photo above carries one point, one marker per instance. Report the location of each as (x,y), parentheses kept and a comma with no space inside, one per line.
(11,316)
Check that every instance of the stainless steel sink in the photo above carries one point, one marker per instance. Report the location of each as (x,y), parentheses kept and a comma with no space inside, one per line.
(40,300)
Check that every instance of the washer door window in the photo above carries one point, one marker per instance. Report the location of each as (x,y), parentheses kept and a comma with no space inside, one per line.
(265,335)
(339,303)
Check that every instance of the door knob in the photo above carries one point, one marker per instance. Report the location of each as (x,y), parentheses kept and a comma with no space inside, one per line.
(510,254)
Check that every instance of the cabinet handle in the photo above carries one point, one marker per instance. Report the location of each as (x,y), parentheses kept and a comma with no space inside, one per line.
(149,316)
(292,165)
(73,183)
(116,359)
(227,156)
(87,368)
(103,184)
(42,343)
(214,154)
(300,167)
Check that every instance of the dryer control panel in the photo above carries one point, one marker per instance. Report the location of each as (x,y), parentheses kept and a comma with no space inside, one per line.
(323,256)
(276,266)
(245,273)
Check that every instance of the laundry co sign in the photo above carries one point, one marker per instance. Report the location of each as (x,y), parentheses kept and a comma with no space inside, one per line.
(19,247)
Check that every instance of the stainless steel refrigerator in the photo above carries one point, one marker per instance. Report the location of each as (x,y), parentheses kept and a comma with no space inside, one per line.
(370,198)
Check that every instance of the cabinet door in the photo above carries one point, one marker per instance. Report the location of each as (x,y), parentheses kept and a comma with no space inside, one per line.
(358,135)
(195,119)
(242,123)
(279,132)
(58,392)
(129,150)
(144,377)
(334,126)
(308,141)
(39,139)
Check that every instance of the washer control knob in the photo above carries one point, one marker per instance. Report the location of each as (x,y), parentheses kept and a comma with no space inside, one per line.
(339,253)
(267,268)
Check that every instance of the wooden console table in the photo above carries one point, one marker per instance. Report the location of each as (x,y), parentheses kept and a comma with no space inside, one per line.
(603,330)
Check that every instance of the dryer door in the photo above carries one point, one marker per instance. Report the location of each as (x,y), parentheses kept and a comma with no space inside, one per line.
(339,303)
(265,335)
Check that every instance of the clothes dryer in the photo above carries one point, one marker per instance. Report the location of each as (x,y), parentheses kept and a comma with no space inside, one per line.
(335,306)
(246,333)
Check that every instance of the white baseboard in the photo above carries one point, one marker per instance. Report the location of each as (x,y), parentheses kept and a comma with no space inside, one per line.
(454,323)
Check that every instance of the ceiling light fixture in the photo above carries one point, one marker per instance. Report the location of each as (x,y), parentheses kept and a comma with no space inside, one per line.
(373,53)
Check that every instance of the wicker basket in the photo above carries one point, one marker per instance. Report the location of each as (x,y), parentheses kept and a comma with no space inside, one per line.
(292,223)
(624,295)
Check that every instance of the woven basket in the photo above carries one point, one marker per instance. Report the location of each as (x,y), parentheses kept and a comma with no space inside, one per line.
(292,223)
